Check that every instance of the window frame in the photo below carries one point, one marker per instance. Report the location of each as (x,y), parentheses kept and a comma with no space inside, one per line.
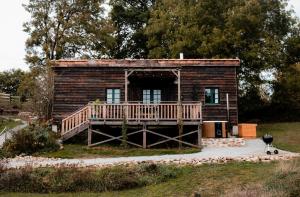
(214,88)
(114,96)
(151,96)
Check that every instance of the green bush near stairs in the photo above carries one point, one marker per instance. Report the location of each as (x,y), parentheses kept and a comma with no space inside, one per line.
(32,139)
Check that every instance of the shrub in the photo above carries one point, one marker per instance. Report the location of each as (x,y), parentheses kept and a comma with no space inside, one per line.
(34,138)
(286,179)
(48,180)
(2,153)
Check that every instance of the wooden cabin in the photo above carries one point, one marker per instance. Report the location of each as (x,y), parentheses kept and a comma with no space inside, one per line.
(149,96)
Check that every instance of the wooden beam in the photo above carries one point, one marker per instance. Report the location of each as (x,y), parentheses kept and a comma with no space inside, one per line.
(174,72)
(178,86)
(126,86)
(89,136)
(130,72)
(171,138)
(115,138)
(144,136)
(200,135)
(152,70)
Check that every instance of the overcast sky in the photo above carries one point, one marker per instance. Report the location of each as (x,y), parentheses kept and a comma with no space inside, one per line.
(12,37)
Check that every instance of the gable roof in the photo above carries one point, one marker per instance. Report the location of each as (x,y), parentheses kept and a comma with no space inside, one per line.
(145,63)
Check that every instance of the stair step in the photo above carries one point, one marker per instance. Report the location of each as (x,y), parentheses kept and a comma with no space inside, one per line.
(75,131)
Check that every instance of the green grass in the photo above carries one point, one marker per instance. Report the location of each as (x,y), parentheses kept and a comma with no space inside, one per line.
(209,180)
(82,151)
(213,180)
(286,135)
(8,123)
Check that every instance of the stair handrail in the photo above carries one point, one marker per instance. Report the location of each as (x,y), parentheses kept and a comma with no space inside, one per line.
(75,119)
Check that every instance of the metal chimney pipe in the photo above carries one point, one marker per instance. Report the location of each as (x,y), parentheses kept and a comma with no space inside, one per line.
(181,56)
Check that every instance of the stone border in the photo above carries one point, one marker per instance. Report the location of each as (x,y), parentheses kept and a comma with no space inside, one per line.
(223,142)
(36,162)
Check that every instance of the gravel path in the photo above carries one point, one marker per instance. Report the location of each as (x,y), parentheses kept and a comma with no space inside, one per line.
(252,151)
(8,134)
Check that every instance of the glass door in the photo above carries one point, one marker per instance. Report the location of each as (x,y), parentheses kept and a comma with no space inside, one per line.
(151,96)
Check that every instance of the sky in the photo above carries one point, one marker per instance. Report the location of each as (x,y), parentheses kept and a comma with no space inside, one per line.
(12,37)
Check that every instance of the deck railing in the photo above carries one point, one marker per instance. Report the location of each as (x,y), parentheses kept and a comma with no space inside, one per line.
(146,112)
(133,112)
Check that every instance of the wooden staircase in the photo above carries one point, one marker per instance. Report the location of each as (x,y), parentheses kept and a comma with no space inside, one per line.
(75,123)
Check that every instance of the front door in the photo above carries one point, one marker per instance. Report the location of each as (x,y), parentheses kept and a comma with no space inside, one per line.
(218,129)
(151,96)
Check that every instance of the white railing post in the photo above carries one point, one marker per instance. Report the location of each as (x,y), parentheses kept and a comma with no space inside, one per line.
(139,112)
(104,111)
(63,127)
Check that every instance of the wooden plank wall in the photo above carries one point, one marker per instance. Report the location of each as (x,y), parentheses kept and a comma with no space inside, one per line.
(194,80)
(75,87)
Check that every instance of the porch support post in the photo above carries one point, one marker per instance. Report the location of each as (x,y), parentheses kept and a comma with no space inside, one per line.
(179,108)
(126,86)
(144,136)
(200,134)
(178,87)
(89,135)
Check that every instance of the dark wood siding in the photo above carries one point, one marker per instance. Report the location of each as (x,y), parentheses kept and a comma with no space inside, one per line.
(194,80)
(74,87)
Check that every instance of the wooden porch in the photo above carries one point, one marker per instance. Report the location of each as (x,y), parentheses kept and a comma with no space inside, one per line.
(134,114)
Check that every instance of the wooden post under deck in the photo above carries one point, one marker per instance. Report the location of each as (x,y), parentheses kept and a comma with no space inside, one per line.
(200,134)
(144,136)
(89,136)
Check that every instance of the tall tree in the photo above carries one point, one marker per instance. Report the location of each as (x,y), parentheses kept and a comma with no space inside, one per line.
(286,97)
(10,81)
(252,30)
(60,27)
(130,17)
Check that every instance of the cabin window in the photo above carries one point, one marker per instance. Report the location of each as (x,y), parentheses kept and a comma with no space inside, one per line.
(113,96)
(151,96)
(212,96)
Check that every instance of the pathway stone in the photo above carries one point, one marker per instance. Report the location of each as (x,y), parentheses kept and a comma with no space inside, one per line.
(253,151)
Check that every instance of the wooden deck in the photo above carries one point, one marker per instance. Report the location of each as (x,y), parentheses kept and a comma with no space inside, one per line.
(170,113)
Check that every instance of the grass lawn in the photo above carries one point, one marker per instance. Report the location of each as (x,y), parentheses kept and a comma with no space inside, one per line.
(82,151)
(8,123)
(286,135)
(209,180)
